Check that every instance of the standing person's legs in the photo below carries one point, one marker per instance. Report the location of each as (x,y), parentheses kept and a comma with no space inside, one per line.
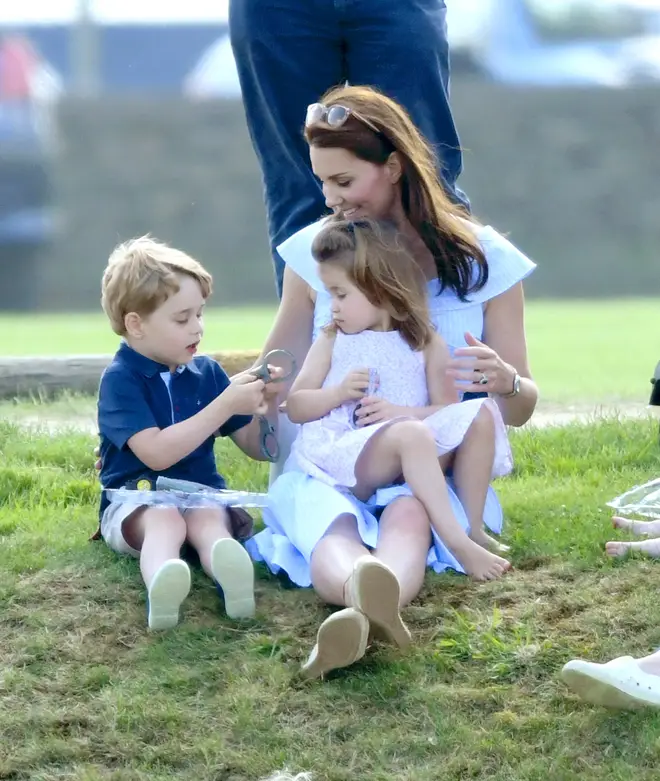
(287,54)
(401,48)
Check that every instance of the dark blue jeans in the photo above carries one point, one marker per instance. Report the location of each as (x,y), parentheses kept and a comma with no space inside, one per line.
(289,52)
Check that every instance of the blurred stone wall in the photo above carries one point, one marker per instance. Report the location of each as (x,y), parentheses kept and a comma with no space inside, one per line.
(572,176)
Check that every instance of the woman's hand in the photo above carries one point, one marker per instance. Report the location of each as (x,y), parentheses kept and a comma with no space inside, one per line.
(470,365)
(373,409)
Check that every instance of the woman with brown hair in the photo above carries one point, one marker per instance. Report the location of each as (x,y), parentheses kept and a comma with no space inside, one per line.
(374,163)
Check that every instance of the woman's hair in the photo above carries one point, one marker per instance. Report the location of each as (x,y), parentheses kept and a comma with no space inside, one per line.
(443,226)
(378,263)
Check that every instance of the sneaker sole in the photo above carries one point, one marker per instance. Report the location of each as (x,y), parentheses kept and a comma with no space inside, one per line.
(375,592)
(341,641)
(170,586)
(233,571)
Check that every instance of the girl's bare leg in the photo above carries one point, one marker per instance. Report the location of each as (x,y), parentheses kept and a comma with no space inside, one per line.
(472,469)
(407,448)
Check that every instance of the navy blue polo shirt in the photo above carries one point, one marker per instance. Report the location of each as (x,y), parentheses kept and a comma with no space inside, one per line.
(137,393)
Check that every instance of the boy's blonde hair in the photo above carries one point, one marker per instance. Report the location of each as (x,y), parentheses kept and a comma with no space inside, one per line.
(141,275)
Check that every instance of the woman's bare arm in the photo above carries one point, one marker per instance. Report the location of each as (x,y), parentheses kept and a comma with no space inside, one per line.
(294,322)
(504,332)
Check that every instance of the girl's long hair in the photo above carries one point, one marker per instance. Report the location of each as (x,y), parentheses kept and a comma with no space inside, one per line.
(443,226)
(375,258)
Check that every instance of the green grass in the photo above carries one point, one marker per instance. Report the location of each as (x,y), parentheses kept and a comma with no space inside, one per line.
(87,694)
(581,352)
(591,352)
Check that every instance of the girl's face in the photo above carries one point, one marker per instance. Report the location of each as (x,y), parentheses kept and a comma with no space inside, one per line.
(356,188)
(352,311)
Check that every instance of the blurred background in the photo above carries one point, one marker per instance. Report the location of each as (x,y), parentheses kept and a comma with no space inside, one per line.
(118,118)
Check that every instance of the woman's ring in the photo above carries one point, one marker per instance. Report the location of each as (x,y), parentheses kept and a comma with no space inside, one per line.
(483,380)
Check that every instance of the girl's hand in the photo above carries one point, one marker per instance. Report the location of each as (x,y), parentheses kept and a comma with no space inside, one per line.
(272,389)
(373,409)
(354,385)
(471,364)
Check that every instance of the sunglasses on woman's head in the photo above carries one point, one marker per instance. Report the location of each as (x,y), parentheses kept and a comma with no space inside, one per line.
(334,116)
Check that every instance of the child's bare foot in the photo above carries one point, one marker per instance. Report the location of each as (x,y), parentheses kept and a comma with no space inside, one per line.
(619,548)
(489,543)
(638,528)
(481,564)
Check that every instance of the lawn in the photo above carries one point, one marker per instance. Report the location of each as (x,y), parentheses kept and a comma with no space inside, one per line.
(86,694)
(581,352)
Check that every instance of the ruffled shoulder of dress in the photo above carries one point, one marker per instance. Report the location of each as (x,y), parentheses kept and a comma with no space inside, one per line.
(507,266)
(296,252)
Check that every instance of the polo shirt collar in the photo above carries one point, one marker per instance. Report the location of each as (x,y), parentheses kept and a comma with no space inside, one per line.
(147,366)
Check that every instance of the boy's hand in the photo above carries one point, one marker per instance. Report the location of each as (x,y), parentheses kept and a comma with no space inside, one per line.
(354,385)
(246,395)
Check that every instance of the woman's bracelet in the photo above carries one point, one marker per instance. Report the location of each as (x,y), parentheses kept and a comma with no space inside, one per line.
(516,388)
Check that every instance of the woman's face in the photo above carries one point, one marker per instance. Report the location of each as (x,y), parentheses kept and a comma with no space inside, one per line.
(355,188)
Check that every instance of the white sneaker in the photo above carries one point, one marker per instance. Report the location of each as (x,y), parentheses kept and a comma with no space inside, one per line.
(620,683)
(167,590)
(233,571)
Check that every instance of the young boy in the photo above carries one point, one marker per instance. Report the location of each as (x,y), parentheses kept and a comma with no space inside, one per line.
(160,407)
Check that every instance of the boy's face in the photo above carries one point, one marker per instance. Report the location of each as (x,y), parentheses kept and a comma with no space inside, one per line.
(172,333)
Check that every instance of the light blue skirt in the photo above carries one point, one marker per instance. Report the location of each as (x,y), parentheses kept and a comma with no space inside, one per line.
(301,509)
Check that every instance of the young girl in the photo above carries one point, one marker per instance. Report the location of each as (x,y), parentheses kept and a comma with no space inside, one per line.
(414,427)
